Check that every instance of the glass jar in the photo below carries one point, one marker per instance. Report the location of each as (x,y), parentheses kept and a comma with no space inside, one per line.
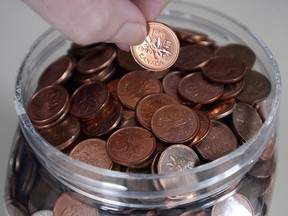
(38,173)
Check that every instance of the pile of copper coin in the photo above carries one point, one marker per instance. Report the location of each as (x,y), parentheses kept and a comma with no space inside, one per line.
(98,105)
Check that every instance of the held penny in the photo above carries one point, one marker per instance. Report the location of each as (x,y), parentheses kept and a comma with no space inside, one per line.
(192,57)
(135,85)
(92,151)
(149,104)
(240,51)
(63,134)
(175,123)
(195,88)
(224,70)
(219,141)
(159,50)
(88,99)
(131,146)
(68,205)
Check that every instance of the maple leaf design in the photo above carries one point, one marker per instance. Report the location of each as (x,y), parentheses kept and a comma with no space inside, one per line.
(158,48)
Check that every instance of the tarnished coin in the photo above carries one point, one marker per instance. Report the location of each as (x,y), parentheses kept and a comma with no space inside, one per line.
(126,61)
(219,141)
(246,121)
(68,205)
(263,169)
(57,72)
(177,157)
(175,124)
(224,70)
(189,35)
(159,50)
(47,105)
(234,205)
(43,213)
(105,122)
(193,57)
(219,109)
(99,59)
(256,88)
(232,90)
(93,152)
(195,88)
(135,85)
(149,104)
(240,51)
(89,99)
(131,146)
(62,134)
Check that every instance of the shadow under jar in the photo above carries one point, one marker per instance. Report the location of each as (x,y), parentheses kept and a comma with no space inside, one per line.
(213,188)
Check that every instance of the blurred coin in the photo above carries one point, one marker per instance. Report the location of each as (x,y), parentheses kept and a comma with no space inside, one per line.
(270,149)
(159,50)
(175,124)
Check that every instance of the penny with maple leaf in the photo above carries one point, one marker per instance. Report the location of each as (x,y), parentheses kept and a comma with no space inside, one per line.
(159,50)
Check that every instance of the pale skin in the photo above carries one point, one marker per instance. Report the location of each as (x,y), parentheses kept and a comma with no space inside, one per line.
(89,21)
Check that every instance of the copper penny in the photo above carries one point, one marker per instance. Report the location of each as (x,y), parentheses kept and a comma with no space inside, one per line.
(170,83)
(256,88)
(93,152)
(58,71)
(131,146)
(189,35)
(232,90)
(88,99)
(195,88)
(219,141)
(193,57)
(68,205)
(149,104)
(48,104)
(105,122)
(269,151)
(236,204)
(263,169)
(63,134)
(246,121)
(159,50)
(204,127)
(135,85)
(224,70)
(112,87)
(175,123)
(97,60)
(240,51)
(219,109)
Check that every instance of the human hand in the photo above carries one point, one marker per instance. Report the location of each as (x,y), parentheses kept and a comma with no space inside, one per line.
(88,21)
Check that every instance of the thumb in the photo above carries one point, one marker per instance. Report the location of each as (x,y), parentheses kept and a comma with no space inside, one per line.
(90,21)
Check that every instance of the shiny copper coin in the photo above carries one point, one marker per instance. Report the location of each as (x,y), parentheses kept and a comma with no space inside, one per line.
(149,104)
(170,83)
(195,88)
(135,85)
(175,124)
(89,99)
(176,158)
(68,205)
(232,90)
(159,50)
(219,109)
(224,70)
(256,88)
(105,122)
(63,134)
(193,57)
(246,121)
(240,51)
(219,141)
(48,104)
(236,204)
(97,60)
(126,61)
(131,146)
(204,127)
(58,71)
(93,152)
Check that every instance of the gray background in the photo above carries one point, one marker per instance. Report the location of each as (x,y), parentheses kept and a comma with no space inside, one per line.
(19,27)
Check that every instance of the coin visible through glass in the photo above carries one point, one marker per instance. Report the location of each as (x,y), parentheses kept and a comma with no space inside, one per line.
(159,50)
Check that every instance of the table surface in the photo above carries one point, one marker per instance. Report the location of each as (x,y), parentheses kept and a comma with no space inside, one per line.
(20,27)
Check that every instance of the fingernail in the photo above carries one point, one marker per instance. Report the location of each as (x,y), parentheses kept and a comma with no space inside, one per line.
(131,34)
